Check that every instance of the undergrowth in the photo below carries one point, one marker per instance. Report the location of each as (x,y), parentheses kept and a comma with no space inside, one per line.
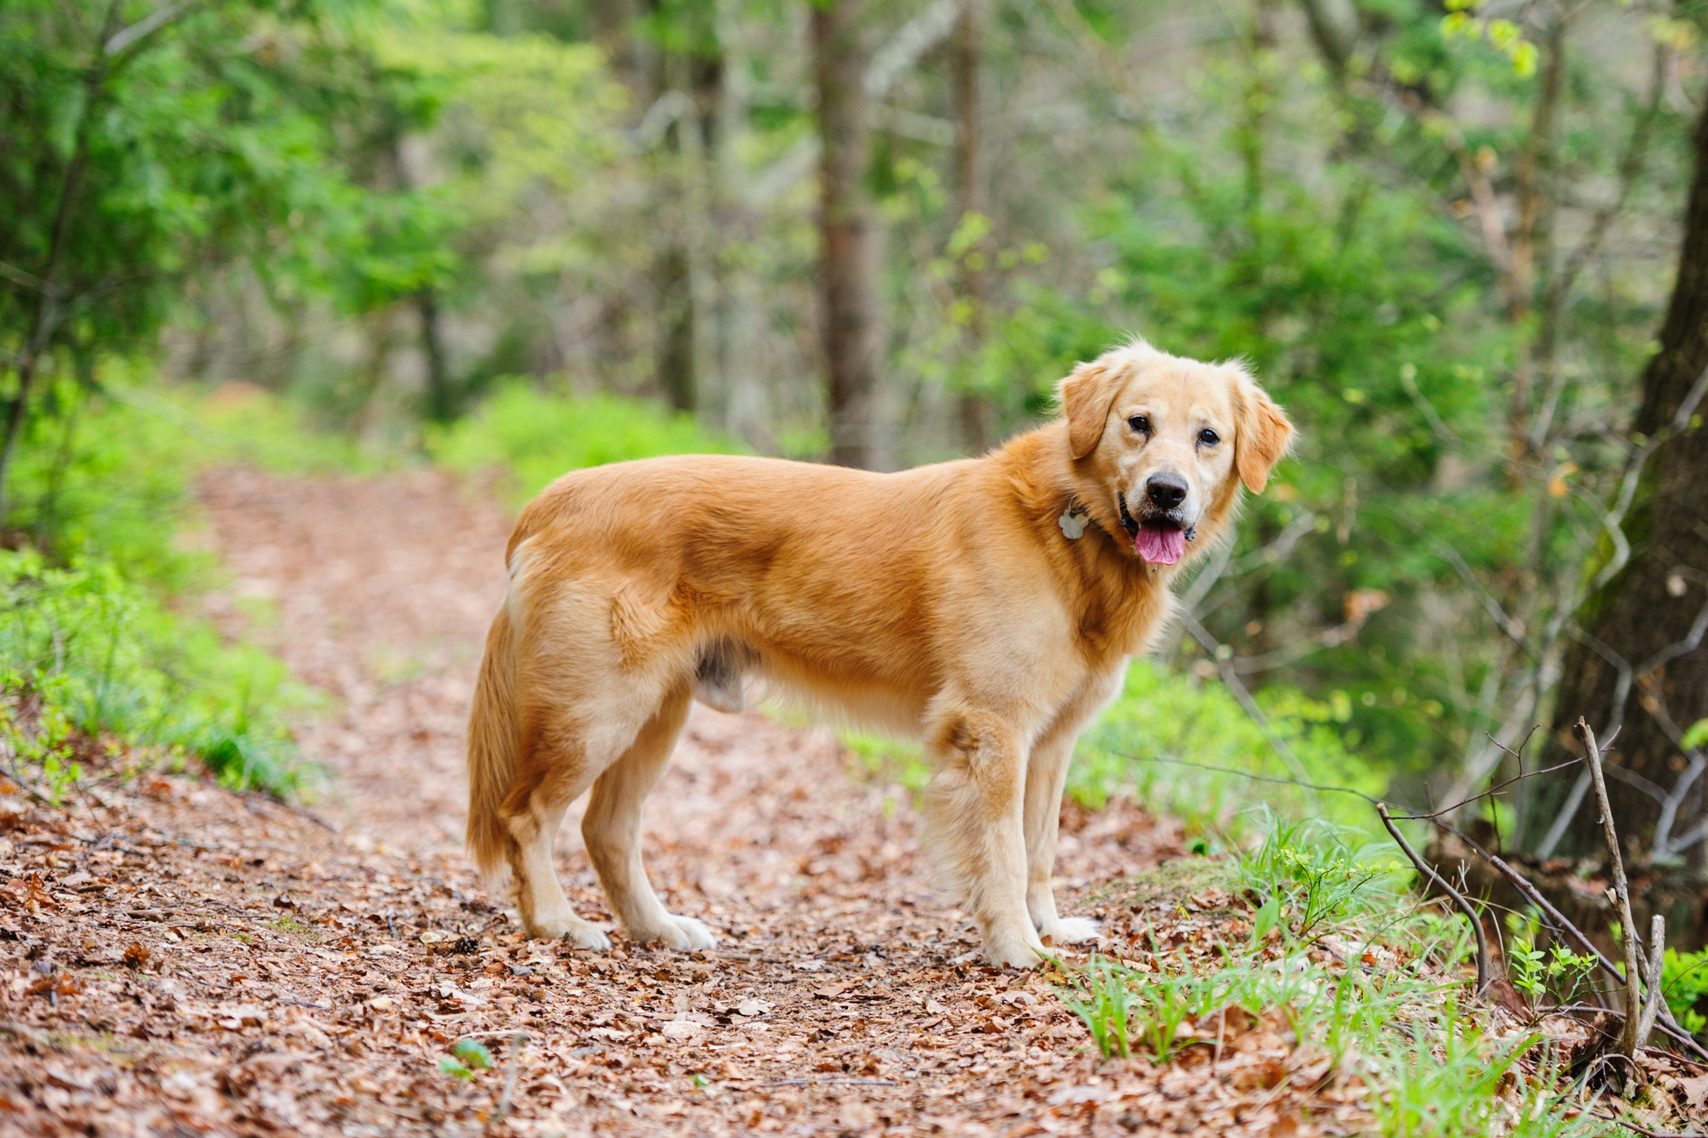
(530,437)
(98,649)
(1339,956)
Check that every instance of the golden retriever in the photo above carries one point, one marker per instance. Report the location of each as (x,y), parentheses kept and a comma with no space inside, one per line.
(988,606)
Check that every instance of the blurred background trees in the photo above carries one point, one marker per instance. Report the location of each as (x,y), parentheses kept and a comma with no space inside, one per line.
(1446,236)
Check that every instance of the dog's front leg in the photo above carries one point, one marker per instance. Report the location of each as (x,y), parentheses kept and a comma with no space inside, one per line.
(974,807)
(1046,776)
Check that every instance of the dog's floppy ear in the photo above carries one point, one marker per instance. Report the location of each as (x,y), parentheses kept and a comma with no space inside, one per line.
(1085,396)
(1263,436)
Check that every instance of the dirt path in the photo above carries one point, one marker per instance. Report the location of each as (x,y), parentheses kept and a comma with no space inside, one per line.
(184,960)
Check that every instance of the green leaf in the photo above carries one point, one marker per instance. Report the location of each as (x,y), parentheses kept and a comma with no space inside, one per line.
(474,1053)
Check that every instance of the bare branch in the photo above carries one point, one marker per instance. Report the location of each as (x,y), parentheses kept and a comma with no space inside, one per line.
(130,36)
(1458,899)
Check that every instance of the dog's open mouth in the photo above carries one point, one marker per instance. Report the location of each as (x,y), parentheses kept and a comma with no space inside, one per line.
(1160,538)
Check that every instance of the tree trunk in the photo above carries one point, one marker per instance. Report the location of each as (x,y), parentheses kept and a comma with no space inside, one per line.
(1641,662)
(849,301)
(966,60)
(441,397)
(675,360)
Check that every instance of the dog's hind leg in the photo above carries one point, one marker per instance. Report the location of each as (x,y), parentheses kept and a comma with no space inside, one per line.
(611,828)
(534,812)
(566,748)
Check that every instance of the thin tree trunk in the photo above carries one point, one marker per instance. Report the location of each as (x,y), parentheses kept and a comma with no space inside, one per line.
(1531,243)
(848,241)
(966,64)
(675,361)
(441,398)
(1641,661)
(49,298)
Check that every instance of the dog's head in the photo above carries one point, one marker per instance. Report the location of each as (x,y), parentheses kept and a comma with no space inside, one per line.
(1160,444)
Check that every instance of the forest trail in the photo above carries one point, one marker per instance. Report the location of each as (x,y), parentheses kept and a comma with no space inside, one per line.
(205,962)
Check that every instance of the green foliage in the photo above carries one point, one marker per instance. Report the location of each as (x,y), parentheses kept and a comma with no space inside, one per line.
(1163,718)
(87,654)
(531,437)
(1121,1005)
(95,649)
(1684,982)
(149,146)
(1460,1080)
(1426,1063)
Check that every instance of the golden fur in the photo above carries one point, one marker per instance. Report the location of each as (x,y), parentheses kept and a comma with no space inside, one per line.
(946,602)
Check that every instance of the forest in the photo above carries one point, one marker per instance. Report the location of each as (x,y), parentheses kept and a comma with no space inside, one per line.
(1402,830)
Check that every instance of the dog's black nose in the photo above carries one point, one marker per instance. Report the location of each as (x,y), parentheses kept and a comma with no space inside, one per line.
(1165,491)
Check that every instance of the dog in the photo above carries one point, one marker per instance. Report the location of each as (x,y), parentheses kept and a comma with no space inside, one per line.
(988,606)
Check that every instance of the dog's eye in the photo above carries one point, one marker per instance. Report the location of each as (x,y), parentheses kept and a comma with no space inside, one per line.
(1141,424)
(1209,438)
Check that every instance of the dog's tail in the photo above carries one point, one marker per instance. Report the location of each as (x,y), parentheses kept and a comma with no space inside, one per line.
(492,744)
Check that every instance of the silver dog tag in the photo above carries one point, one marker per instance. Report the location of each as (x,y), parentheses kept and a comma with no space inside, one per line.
(1072,523)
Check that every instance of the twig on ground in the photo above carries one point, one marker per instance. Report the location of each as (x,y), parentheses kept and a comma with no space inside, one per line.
(1643,1130)
(513,1067)
(1631,1039)
(1458,898)
(39,795)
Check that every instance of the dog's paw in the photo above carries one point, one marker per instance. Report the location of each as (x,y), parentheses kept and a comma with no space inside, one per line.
(1071,930)
(1015,951)
(684,934)
(571,928)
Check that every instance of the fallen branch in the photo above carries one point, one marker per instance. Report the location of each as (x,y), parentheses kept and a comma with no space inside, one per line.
(1458,898)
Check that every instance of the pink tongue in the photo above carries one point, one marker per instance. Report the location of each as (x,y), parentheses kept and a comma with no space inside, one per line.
(1160,546)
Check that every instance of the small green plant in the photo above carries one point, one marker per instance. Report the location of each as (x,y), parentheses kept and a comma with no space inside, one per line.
(467,1059)
(1537,972)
